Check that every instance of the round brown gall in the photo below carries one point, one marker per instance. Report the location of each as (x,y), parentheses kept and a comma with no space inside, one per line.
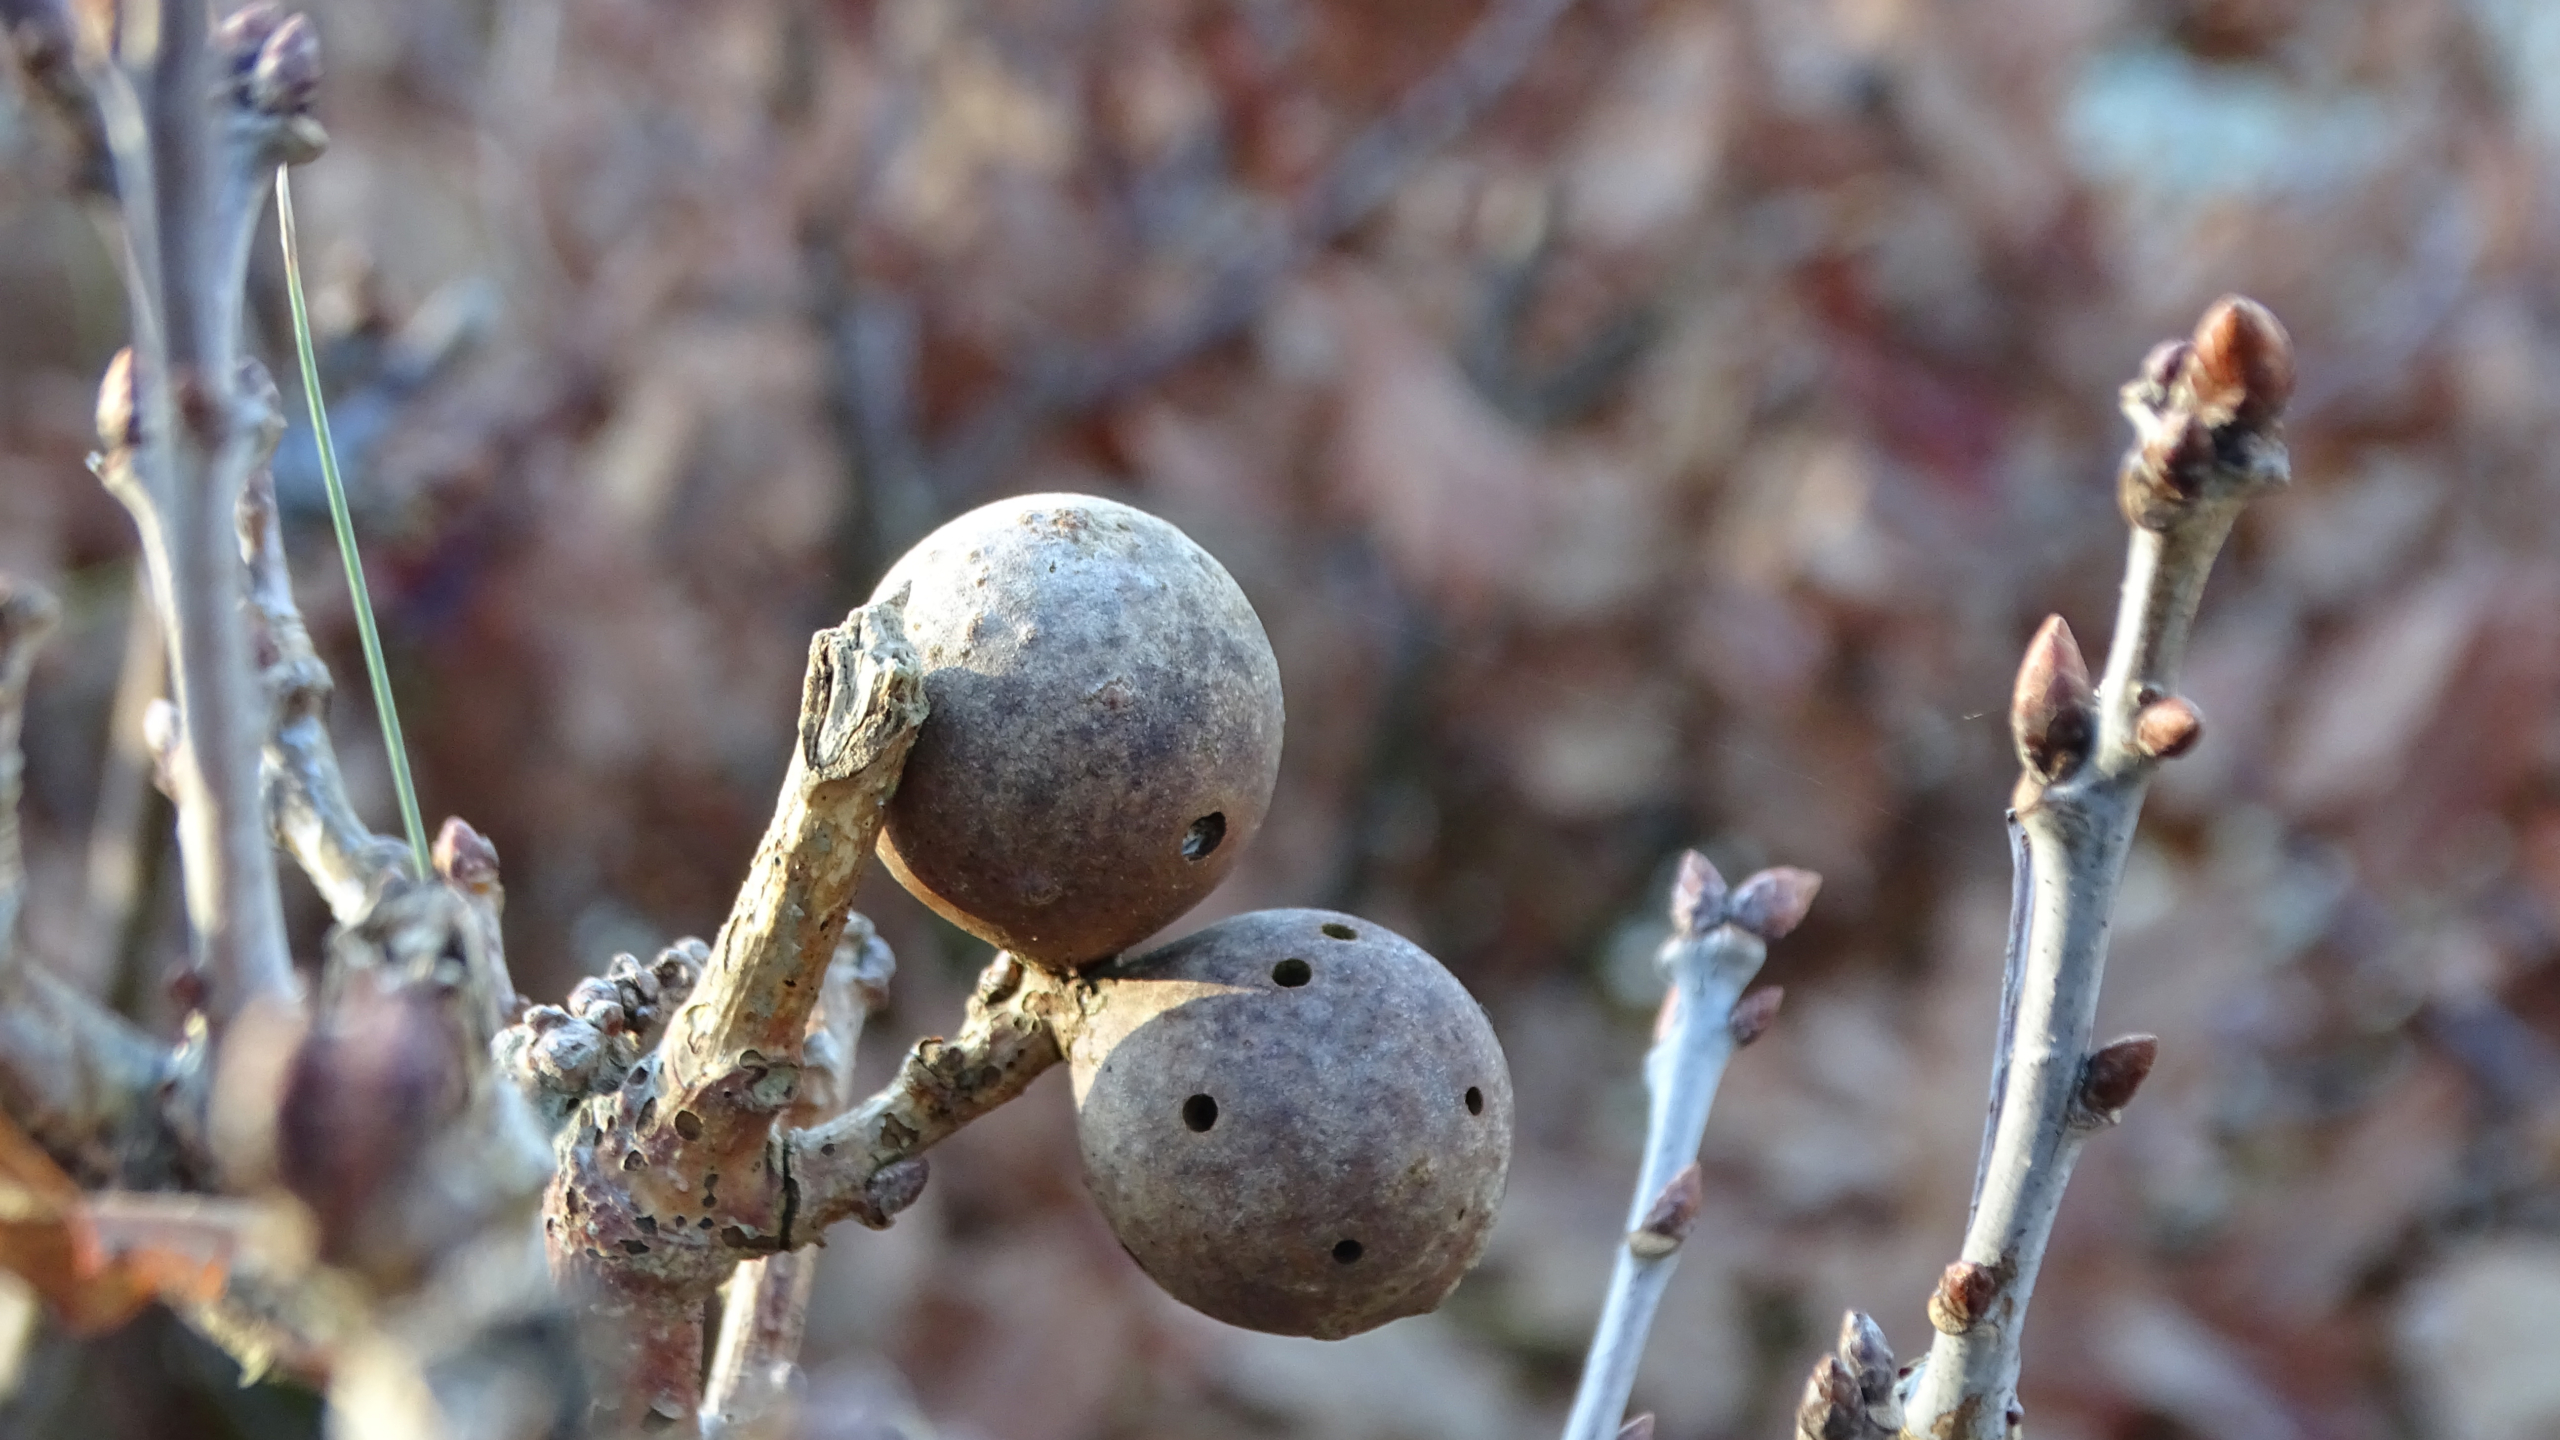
(1104,730)
(1295,1120)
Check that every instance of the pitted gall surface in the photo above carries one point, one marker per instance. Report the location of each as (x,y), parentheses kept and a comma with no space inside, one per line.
(1105,726)
(1295,1120)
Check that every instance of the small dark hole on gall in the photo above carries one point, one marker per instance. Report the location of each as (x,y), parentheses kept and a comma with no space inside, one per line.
(1200,1112)
(688,1125)
(1346,1252)
(1340,931)
(1292,973)
(1475,1101)
(1204,835)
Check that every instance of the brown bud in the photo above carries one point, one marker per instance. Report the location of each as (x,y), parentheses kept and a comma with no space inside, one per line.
(2111,1076)
(2162,367)
(465,857)
(1753,1013)
(240,34)
(119,422)
(2167,728)
(1697,896)
(1869,1360)
(2243,363)
(1673,1214)
(1773,903)
(1963,1296)
(2052,711)
(365,1093)
(1830,1409)
(288,69)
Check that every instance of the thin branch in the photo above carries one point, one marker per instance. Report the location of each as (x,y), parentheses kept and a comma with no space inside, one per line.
(128,827)
(192,161)
(306,795)
(864,1164)
(765,1305)
(1718,943)
(79,1079)
(681,1171)
(860,707)
(2208,438)
(2013,960)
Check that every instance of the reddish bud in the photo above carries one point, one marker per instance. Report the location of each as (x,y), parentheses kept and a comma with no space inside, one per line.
(1673,1214)
(465,857)
(2167,728)
(1773,903)
(2243,364)
(1830,1409)
(288,69)
(1753,1013)
(1963,1296)
(1697,896)
(2111,1076)
(240,34)
(365,1092)
(2052,709)
(1866,1356)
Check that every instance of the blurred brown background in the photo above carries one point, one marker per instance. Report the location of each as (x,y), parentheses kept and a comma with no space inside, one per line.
(1681,454)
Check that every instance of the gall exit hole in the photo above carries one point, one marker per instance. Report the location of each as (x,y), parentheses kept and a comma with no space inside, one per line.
(1340,931)
(1204,835)
(1292,973)
(1475,1101)
(1200,1112)
(1346,1251)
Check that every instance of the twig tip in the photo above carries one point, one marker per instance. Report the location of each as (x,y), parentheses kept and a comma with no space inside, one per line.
(1773,903)
(2243,361)
(2052,710)
(1697,895)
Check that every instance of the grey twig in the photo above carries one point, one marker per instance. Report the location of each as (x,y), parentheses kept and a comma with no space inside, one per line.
(2013,959)
(2208,437)
(180,437)
(305,794)
(1718,942)
(80,1080)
